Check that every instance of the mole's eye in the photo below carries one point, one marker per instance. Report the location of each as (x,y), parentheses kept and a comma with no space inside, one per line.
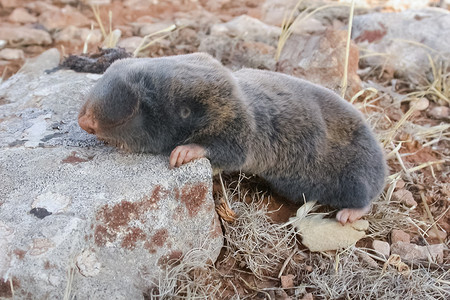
(185,112)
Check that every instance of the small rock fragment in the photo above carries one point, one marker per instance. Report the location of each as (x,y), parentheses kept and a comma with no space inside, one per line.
(40,7)
(62,18)
(399,236)
(439,112)
(11,54)
(320,234)
(21,15)
(405,197)
(88,264)
(248,28)
(420,104)
(52,202)
(3,44)
(10,3)
(412,252)
(442,235)
(381,247)
(130,44)
(21,36)
(400,184)
(75,35)
(287,281)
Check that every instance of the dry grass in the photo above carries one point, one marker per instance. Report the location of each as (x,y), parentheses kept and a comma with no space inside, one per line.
(254,241)
(352,278)
(190,277)
(290,22)
(145,43)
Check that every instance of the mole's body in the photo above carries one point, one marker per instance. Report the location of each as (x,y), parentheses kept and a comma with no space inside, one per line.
(302,138)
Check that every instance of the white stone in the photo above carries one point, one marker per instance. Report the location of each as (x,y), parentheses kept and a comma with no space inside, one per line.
(52,202)
(247,27)
(130,44)
(21,15)
(420,104)
(21,36)
(74,35)
(405,197)
(381,247)
(440,112)
(319,234)
(88,264)
(11,54)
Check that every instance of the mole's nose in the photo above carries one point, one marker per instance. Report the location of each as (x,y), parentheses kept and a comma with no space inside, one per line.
(87,123)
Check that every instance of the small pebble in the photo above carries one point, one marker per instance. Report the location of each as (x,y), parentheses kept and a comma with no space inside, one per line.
(405,197)
(398,235)
(439,112)
(287,281)
(420,104)
(381,247)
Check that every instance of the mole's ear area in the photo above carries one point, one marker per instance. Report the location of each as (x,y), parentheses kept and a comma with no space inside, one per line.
(117,103)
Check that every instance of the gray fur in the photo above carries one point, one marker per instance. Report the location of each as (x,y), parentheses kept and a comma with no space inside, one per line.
(300,137)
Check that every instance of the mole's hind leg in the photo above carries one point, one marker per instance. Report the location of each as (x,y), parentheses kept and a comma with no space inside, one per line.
(351,214)
(185,153)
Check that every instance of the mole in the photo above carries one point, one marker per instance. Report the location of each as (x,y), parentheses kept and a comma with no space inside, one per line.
(303,139)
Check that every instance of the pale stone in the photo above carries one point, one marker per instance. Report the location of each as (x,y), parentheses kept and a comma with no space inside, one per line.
(420,104)
(405,197)
(287,281)
(11,54)
(21,15)
(319,234)
(130,44)
(11,3)
(21,36)
(40,7)
(52,202)
(381,247)
(320,58)
(439,112)
(248,28)
(398,235)
(75,35)
(88,264)
(413,253)
(64,17)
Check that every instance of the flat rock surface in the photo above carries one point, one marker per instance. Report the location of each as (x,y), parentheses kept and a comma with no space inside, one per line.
(71,205)
(404,41)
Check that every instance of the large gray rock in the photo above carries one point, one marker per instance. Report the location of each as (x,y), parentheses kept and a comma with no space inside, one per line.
(81,216)
(401,42)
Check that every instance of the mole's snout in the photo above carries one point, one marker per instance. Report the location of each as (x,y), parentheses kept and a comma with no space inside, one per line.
(87,122)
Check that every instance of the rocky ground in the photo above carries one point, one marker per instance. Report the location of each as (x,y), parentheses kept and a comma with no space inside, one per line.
(398,75)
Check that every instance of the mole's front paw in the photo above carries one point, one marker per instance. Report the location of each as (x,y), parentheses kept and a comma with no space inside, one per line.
(351,214)
(185,153)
